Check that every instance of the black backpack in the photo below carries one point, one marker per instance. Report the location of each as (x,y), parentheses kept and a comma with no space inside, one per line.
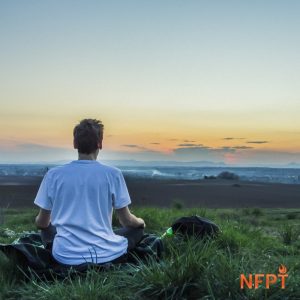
(195,226)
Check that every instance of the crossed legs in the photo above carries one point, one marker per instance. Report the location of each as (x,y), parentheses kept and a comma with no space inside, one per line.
(133,235)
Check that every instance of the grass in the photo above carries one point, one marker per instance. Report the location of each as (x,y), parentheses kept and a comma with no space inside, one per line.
(252,241)
(290,233)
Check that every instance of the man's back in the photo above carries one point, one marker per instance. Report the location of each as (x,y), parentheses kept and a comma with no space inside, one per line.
(81,196)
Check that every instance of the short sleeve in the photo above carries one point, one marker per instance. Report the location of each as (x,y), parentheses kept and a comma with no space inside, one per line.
(120,195)
(43,199)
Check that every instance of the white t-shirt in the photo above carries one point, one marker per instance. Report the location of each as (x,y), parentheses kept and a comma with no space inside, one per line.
(81,196)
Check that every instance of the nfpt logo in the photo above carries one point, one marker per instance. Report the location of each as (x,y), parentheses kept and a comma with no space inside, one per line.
(255,280)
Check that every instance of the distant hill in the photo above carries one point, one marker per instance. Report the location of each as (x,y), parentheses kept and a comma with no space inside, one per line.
(136,163)
(293,165)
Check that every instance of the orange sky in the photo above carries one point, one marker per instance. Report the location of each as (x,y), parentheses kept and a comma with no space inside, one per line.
(156,74)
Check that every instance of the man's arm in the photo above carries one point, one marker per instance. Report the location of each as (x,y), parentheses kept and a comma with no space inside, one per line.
(127,219)
(42,220)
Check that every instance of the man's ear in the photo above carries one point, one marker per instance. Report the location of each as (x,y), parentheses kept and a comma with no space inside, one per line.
(100,144)
(75,144)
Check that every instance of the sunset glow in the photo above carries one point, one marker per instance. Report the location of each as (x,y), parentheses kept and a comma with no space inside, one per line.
(172,80)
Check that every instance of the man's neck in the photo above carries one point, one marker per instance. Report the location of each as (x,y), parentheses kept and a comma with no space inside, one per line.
(91,156)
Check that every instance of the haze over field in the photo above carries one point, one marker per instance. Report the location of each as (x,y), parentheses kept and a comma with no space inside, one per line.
(171,80)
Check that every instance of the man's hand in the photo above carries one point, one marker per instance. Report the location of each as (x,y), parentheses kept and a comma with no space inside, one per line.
(141,222)
(42,220)
(127,219)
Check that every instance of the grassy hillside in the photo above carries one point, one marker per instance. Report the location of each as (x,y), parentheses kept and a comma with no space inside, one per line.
(252,241)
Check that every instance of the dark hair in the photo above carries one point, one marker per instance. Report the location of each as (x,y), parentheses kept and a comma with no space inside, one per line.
(87,135)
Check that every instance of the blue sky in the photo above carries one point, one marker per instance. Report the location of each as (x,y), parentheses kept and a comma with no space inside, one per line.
(153,71)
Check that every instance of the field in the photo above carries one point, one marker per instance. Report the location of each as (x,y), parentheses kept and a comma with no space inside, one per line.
(252,241)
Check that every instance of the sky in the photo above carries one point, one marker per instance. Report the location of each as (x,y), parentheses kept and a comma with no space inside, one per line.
(170,80)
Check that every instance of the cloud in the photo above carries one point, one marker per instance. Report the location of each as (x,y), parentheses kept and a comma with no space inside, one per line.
(130,145)
(238,155)
(200,147)
(172,139)
(266,157)
(188,141)
(233,138)
(139,148)
(36,147)
(201,153)
(257,142)
(155,143)
(233,148)
(242,147)
(189,145)
(32,147)
(194,147)
(225,149)
(31,152)
(143,155)
(134,146)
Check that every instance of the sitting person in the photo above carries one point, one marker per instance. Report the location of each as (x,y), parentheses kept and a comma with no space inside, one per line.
(76,203)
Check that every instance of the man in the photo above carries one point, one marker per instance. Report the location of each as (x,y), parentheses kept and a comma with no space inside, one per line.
(79,197)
